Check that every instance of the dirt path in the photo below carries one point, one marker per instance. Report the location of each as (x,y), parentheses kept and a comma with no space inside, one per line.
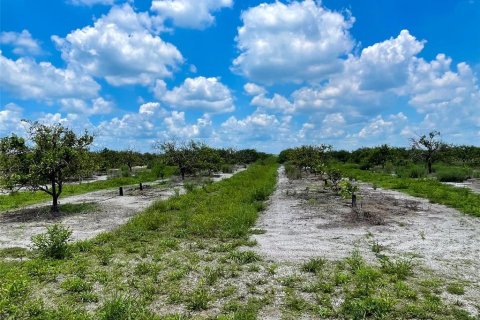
(109,211)
(301,223)
(472,184)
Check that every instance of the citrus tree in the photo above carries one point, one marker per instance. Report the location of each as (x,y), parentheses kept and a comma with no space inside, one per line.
(50,155)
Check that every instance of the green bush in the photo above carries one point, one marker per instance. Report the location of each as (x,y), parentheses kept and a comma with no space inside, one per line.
(227,168)
(453,174)
(125,171)
(292,172)
(54,243)
(411,172)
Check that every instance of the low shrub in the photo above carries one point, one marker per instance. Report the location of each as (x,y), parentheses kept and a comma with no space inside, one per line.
(227,168)
(54,243)
(292,172)
(453,174)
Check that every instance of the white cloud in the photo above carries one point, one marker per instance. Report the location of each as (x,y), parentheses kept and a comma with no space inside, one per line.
(196,14)
(27,79)
(254,90)
(178,128)
(10,120)
(277,103)
(22,42)
(121,48)
(295,42)
(207,94)
(90,3)
(434,86)
(152,109)
(92,107)
(384,65)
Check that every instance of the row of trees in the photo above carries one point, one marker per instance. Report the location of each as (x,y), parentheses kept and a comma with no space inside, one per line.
(53,154)
(192,157)
(427,149)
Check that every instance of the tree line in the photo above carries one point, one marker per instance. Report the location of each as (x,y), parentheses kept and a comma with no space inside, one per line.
(51,155)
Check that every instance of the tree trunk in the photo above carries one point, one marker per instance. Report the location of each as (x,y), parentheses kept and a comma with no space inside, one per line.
(429,167)
(183,174)
(54,198)
(55,210)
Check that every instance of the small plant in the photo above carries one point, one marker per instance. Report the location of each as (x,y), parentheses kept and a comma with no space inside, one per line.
(456,288)
(119,308)
(189,186)
(349,189)
(54,243)
(198,300)
(244,257)
(76,285)
(314,265)
(334,176)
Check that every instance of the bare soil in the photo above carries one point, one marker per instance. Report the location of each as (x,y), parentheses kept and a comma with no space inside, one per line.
(110,211)
(305,220)
(472,184)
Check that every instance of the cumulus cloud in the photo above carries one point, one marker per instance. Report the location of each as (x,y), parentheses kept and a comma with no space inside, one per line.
(207,94)
(178,128)
(189,13)
(94,106)
(27,79)
(253,89)
(11,120)
(22,42)
(121,48)
(149,108)
(295,42)
(434,85)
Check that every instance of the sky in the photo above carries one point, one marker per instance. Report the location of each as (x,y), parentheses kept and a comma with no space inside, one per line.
(243,73)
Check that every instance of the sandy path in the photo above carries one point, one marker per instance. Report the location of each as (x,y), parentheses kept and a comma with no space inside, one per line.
(472,184)
(301,224)
(112,210)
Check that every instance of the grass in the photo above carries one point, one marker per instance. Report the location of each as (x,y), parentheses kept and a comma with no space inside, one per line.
(21,199)
(462,199)
(154,256)
(186,258)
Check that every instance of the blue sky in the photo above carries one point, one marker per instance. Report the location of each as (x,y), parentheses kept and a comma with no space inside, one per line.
(247,74)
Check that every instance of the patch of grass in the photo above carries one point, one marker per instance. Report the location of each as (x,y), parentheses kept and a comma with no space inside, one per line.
(452,174)
(314,265)
(244,257)
(459,198)
(456,288)
(199,299)
(76,285)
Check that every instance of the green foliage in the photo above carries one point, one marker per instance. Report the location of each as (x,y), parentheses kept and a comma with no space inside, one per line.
(244,257)
(306,158)
(54,243)
(122,307)
(456,288)
(53,154)
(447,174)
(348,188)
(314,265)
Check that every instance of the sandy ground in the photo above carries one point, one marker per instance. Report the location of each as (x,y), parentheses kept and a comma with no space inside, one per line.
(111,210)
(472,184)
(303,220)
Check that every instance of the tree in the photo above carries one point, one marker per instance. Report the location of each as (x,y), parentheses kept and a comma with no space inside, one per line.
(180,154)
(54,154)
(428,146)
(13,157)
